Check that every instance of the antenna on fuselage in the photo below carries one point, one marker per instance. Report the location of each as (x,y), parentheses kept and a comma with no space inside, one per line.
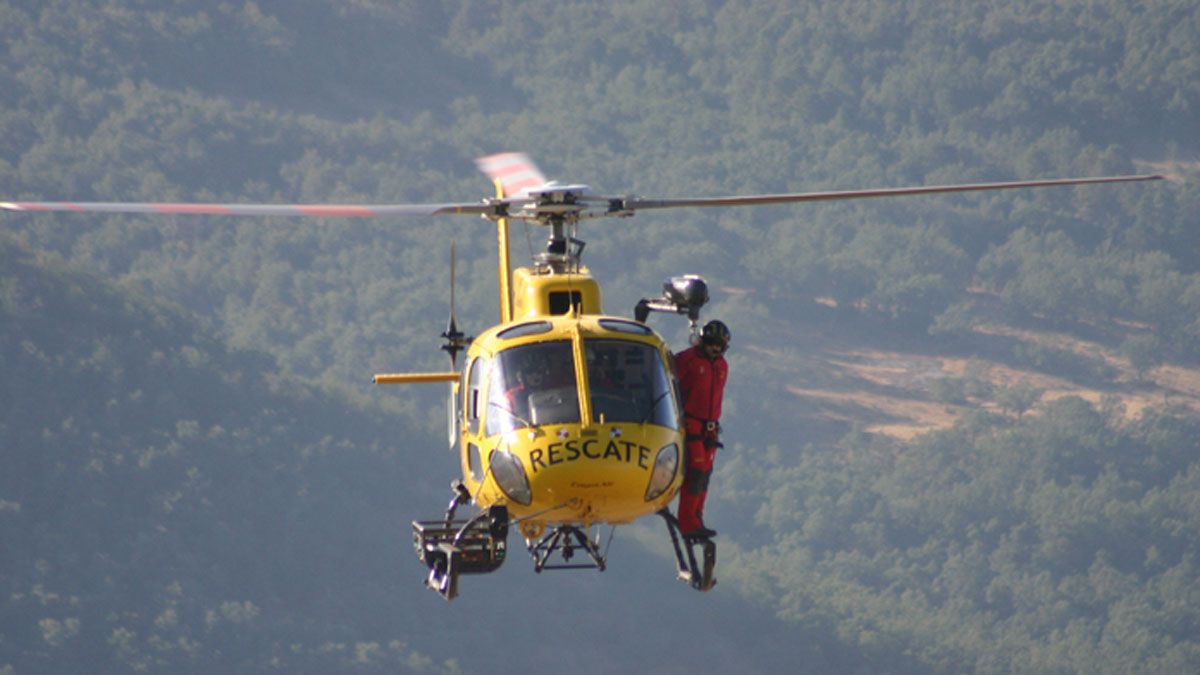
(456,340)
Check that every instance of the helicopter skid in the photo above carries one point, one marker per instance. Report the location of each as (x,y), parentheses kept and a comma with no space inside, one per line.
(450,548)
(564,540)
(699,577)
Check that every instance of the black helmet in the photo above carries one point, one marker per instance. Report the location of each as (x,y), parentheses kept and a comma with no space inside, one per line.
(715,333)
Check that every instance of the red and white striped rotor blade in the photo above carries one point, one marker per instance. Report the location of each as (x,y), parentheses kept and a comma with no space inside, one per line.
(515,171)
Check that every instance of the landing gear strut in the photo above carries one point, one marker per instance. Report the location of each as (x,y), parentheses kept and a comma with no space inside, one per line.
(565,539)
(699,577)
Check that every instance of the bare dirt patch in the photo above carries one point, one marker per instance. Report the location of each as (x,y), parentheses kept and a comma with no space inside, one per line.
(904,392)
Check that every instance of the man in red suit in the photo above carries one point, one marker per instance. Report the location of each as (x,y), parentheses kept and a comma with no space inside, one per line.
(702,371)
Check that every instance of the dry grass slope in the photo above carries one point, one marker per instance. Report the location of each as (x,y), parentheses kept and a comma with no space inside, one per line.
(842,375)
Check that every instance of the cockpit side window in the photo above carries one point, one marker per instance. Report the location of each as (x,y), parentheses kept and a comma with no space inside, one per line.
(473,394)
(629,382)
(532,385)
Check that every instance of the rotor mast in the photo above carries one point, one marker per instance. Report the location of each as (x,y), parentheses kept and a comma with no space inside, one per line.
(504,272)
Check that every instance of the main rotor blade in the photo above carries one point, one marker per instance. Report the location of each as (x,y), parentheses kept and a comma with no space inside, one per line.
(501,207)
(515,171)
(638,203)
(310,210)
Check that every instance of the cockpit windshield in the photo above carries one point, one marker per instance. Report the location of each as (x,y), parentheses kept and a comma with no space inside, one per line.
(629,383)
(532,385)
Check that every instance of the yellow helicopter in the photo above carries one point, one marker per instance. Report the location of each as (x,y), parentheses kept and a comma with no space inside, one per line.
(566,418)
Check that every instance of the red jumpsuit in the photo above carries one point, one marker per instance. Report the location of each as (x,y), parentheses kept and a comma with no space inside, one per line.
(702,383)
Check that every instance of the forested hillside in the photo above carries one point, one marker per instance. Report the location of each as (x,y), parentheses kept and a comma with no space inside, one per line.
(162,491)
(197,475)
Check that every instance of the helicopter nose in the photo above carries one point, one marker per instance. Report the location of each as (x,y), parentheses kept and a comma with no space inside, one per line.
(615,474)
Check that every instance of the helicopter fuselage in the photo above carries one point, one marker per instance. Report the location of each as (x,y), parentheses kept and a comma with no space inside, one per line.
(570,418)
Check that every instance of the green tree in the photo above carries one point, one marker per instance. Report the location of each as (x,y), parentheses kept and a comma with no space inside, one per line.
(1019,398)
(1144,353)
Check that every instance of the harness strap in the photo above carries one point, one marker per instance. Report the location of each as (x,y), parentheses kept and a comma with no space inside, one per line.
(709,425)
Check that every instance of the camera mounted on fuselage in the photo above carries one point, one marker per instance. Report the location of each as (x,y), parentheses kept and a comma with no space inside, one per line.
(681,295)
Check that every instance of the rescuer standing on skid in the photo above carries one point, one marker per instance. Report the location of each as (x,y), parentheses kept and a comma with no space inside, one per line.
(702,371)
